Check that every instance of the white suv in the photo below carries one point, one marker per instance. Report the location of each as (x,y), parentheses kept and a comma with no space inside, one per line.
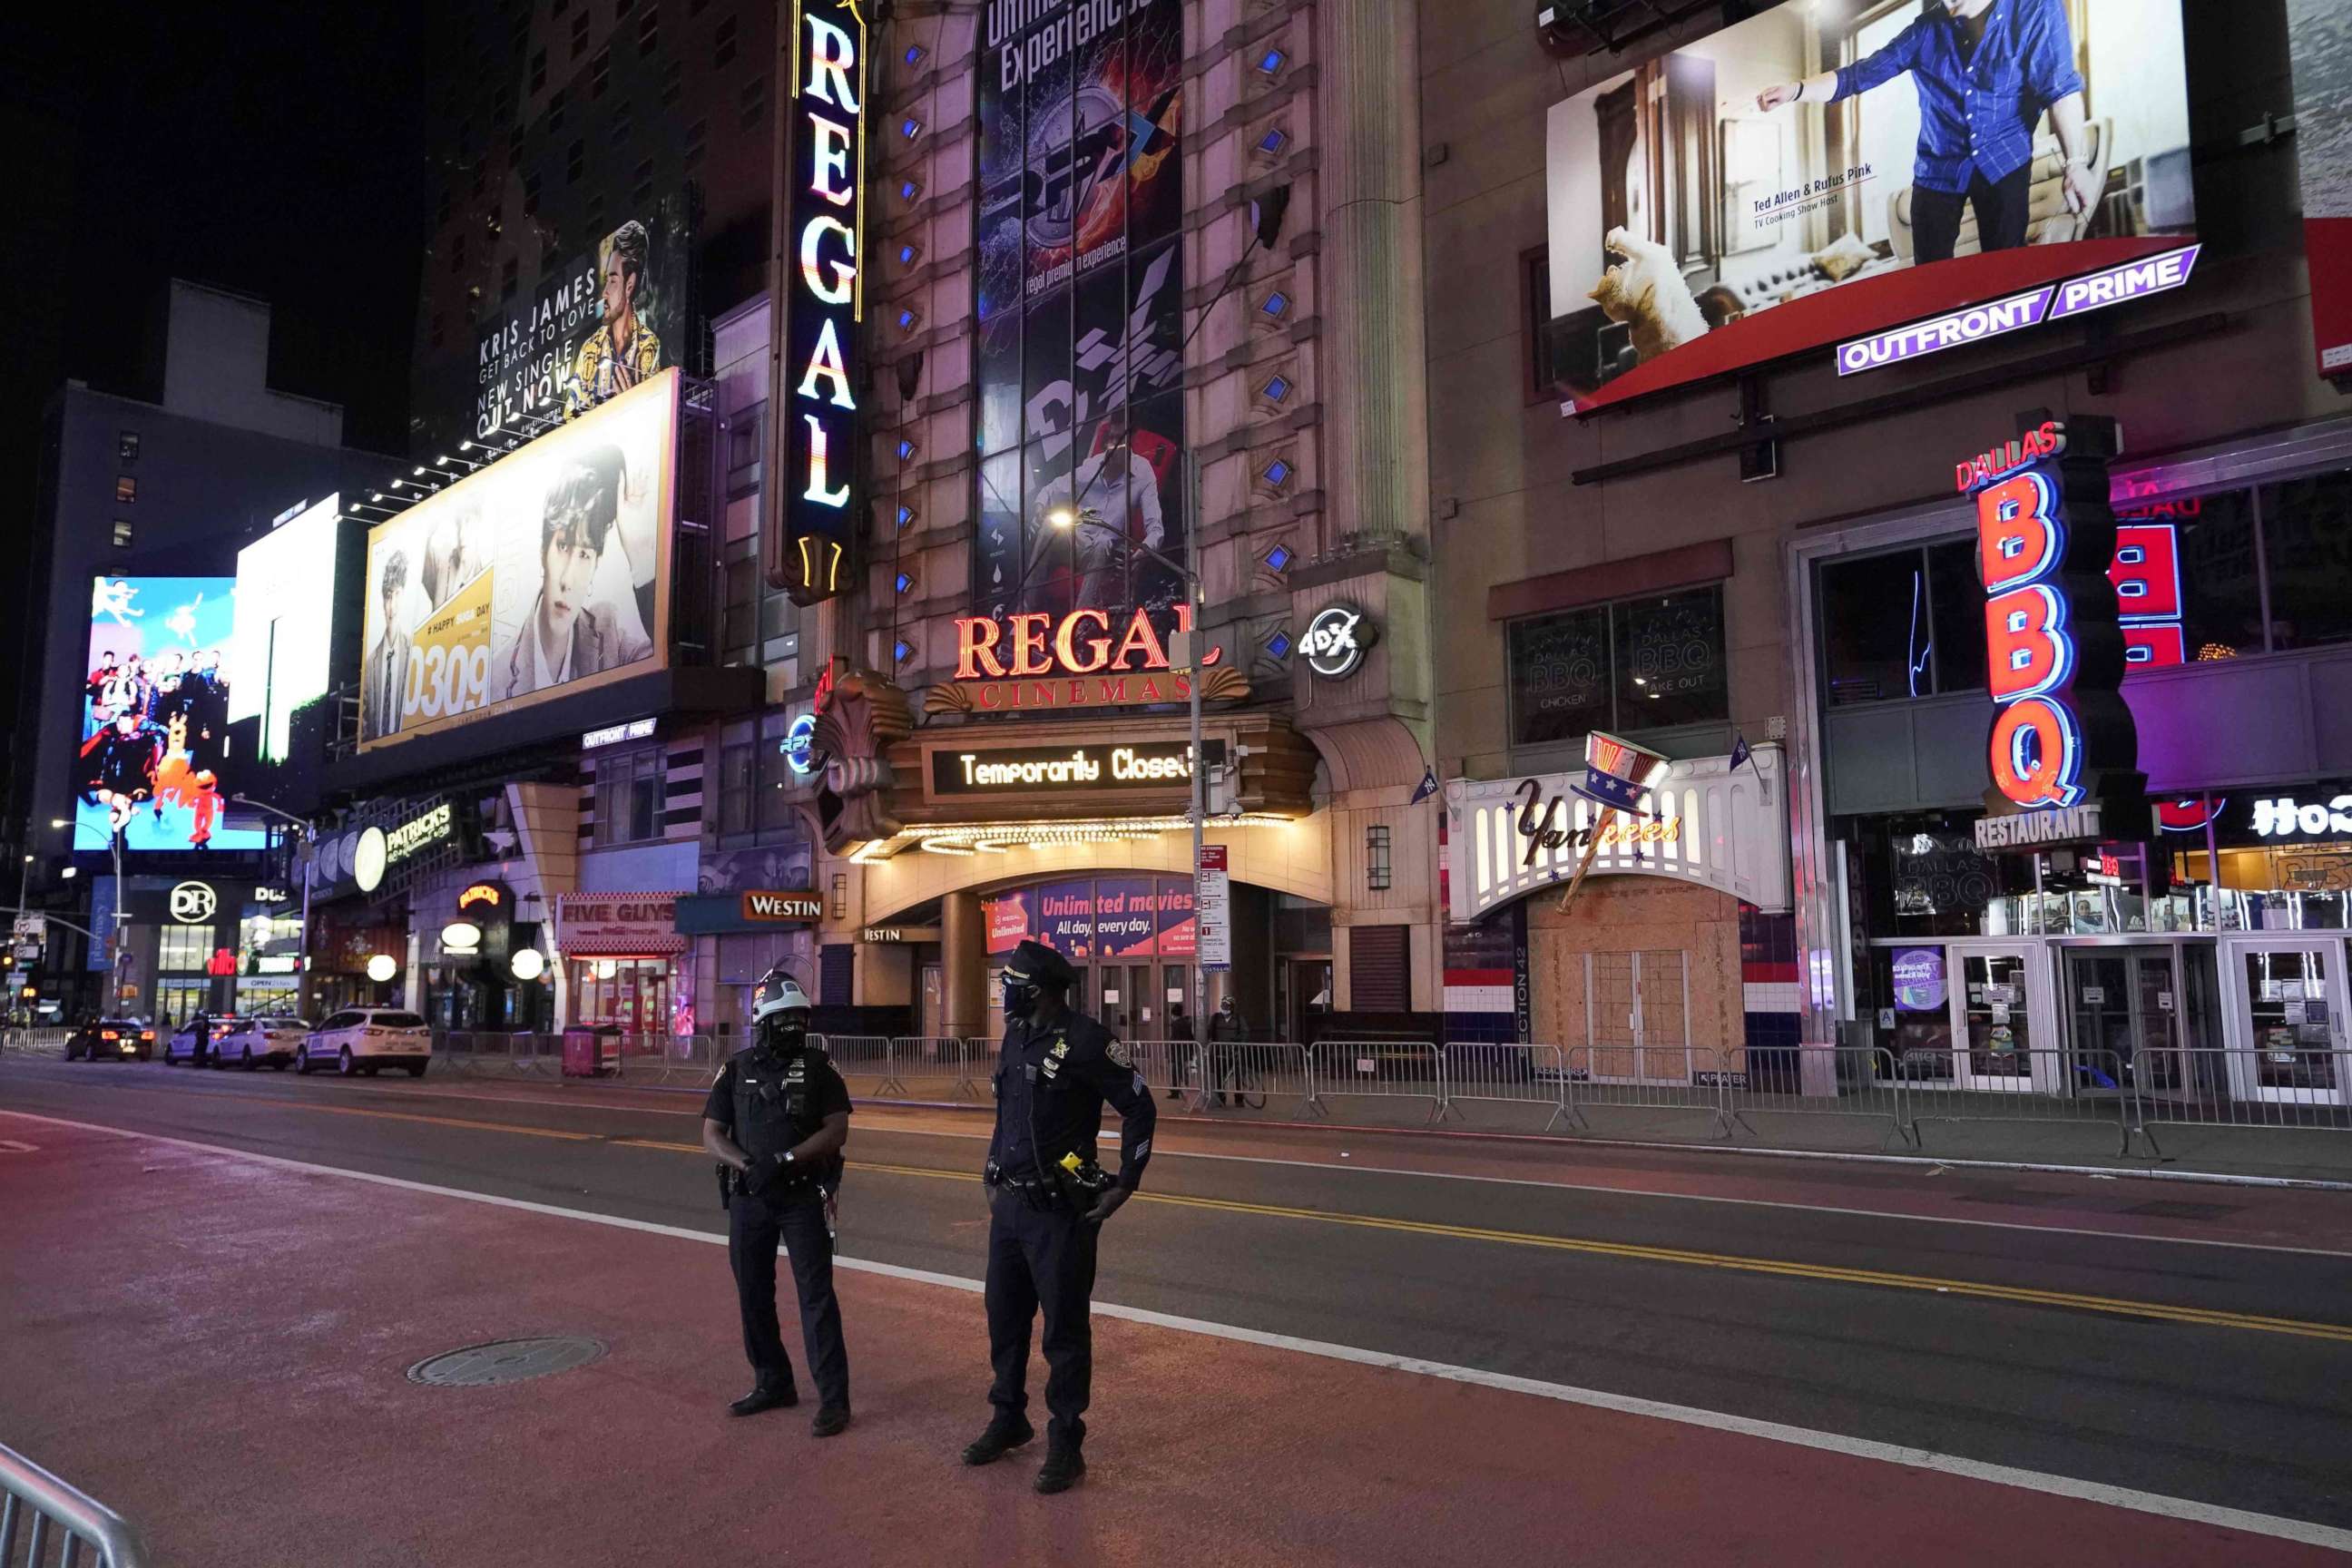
(368,1039)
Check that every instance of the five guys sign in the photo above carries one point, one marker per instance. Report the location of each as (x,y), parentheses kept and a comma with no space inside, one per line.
(2063,743)
(818,355)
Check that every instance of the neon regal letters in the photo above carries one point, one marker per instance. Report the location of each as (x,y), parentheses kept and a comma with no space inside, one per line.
(2054,644)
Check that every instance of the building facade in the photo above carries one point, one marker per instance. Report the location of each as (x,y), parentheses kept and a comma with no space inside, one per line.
(1770,558)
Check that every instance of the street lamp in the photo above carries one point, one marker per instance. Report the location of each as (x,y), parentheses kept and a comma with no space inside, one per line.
(309,838)
(1196,809)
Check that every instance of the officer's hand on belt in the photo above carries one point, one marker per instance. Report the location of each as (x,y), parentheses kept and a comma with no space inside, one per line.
(1108,1204)
(755,1178)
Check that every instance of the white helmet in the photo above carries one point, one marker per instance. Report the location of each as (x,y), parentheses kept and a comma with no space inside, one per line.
(779,993)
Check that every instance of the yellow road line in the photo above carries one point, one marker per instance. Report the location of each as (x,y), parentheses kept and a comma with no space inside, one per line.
(2197,1317)
(442,1120)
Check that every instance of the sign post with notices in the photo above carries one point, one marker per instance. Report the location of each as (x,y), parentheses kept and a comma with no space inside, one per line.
(1214,914)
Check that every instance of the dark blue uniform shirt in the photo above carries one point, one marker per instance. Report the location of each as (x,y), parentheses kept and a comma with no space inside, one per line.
(1052,1080)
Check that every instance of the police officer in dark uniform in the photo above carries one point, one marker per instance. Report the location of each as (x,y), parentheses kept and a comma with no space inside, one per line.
(1047,1199)
(777,1117)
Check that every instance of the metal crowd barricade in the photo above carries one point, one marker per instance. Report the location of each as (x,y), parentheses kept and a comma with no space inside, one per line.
(47,1515)
(2045,1085)
(1650,1078)
(1857,1081)
(2287,1087)
(1376,1070)
(38,1042)
(863,1056)
(1253,1075)
(1505,1074)
(959,1064)
(1168,1067)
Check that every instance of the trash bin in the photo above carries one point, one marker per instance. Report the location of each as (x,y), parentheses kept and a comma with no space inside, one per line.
(592,1050)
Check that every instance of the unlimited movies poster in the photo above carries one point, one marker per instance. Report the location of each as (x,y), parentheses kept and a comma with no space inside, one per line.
(540,575)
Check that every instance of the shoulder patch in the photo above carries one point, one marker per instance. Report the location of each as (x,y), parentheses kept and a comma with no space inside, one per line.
(1116,1049)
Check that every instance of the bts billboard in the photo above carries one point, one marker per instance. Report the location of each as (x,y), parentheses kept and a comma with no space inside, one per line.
(543,574)
(1827,169)
(155,764)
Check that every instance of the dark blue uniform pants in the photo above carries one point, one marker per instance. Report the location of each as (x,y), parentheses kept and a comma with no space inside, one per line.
(1041,1254)
(753,1228)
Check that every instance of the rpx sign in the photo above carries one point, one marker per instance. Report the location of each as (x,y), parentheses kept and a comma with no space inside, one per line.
(824,300)
(2054,640)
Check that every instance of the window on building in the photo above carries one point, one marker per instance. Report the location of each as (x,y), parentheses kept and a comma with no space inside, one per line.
(622,7)
(538,69)
(722,44)
(642,192)
(697,7)
(580,34)
(126,489)
(2306,527)
(1535,325)
(754,100)
(1651,663)
(776,817)
(599,73)
(555,111)
(739,786)
(649,29)
(1877,628)
(698,141)
(738,632)
(184,950)
(126,446)
(557,8)
(673,83)
(530,195)
(509,277)
(621,126)
(743,433)
(121,533)
(575,162)
(629,797)
(1376,870)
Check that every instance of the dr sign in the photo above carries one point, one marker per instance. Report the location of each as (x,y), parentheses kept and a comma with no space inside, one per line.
(2062,739)
(819,352)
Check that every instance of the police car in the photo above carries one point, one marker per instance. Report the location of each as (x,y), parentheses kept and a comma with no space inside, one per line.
(261,1042)
(367,1040)
(183,1046)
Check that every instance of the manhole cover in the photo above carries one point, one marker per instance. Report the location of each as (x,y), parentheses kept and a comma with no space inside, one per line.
(507,1361)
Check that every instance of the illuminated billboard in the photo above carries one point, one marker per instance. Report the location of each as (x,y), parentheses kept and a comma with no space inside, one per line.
(1079,364)
(153,764)
(544,574)
(283,636)
(615,315)
(1829,170)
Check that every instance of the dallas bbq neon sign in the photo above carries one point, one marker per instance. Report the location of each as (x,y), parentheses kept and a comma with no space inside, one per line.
(824,300)
(2046,545)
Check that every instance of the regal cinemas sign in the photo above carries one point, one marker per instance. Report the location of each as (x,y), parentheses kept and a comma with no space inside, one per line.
(1088,658)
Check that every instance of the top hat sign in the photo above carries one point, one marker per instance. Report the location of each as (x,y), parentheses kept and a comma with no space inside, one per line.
(1617,772)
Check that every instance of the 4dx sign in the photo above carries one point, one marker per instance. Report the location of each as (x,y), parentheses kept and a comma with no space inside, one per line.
(2062,736)
(819,351)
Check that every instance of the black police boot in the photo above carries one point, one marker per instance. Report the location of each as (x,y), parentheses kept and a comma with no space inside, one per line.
(1004,1433)
(1063,1465)
(831,1421)
(767,1396)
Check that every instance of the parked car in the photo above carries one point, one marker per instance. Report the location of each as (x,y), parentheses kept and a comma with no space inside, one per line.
(368,1039)
(261,1042)
(183,1047)
(111,1039)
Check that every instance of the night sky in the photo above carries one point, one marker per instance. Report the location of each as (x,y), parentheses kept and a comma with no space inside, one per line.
(274,150)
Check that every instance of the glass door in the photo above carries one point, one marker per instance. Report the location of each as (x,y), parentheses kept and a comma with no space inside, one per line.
(1993,1033)
(2285,1002)
(2123,1007)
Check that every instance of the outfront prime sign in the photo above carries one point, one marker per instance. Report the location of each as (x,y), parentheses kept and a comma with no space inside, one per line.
(819,351)
(2051,302)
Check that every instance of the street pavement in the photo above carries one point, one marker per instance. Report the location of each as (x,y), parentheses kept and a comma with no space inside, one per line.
(1321,1346)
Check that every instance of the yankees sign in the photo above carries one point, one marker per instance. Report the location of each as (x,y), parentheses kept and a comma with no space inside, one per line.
(1336,640)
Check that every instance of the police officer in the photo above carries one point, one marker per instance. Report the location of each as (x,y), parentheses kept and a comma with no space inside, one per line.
(1047,1199)
(777,1119)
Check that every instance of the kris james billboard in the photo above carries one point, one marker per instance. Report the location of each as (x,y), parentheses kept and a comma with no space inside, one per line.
(1830,169)
(543,574)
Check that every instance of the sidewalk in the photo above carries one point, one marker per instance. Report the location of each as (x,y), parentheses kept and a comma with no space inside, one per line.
(216,1346)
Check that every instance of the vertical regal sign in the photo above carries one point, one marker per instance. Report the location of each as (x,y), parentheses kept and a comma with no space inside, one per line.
(2064,748)
(820,368)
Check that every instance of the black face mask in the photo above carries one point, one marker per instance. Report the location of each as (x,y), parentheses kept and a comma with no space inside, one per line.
(1020,1001)
(784,1039)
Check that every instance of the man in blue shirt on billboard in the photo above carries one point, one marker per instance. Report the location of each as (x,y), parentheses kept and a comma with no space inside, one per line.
(1985,71)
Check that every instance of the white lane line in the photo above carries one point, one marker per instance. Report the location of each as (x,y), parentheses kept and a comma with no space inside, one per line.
(1354,1167)
(2184,1509)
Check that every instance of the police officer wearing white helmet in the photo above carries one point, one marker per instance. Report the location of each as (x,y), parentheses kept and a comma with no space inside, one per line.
(777,1119)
